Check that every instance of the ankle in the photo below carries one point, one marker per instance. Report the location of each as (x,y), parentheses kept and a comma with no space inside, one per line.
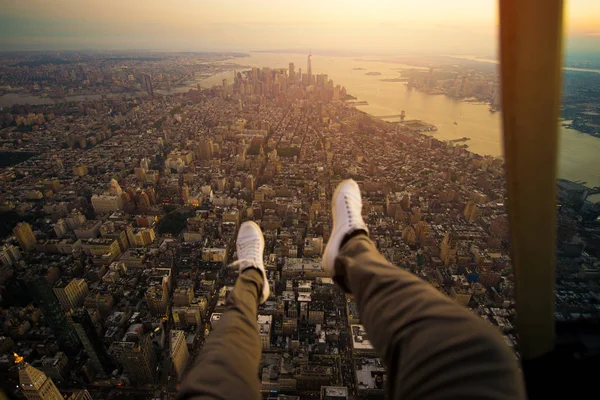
(255,277)
(252,270)
(351,235)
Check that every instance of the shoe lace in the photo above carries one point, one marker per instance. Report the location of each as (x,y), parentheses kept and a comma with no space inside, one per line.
(251,247)
(348,211)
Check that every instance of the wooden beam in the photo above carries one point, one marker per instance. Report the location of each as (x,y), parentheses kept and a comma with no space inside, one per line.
(531,61)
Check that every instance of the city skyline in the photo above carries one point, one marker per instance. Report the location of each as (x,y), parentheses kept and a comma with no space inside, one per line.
(124,189)
(383,27)
(165,167)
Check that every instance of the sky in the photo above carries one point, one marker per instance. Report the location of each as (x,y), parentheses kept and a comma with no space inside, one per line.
(363,26)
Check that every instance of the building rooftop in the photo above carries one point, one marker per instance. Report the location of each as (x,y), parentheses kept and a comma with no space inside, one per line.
(360,339)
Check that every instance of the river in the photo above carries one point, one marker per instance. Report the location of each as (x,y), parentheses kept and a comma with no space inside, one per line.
(578,151)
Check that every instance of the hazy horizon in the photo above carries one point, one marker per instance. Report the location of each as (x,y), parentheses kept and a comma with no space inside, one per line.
(382,27)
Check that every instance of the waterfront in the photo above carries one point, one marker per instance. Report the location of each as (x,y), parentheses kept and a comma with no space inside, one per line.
(493,61)
(578,151)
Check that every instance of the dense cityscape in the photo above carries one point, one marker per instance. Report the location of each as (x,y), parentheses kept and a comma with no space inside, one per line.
(120,210)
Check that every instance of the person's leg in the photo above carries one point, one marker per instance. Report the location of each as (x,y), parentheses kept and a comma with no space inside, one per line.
(432,347)
(227,366)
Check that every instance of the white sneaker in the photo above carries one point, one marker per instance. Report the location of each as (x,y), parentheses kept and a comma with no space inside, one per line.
(346,205)
(250,246)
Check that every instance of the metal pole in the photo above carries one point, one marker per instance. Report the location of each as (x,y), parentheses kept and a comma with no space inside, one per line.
(531,60)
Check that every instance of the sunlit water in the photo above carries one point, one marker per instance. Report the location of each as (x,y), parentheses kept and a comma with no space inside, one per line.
(578,151)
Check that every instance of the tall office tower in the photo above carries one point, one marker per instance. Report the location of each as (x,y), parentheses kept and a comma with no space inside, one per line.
(140,173)
(309,71)
(206,149)
(86,331)
(185,193)
(470,211)
(292,73)
(34,383)
(115,188)
(151,195)
(9,255)
(321,80)
(157,298)
(71,294)
(267,75)
(143,237)
(265,322)
(254,74)
(148,84)
(25,236)
(144,201)
(137,358)
(54,315)
(179,352)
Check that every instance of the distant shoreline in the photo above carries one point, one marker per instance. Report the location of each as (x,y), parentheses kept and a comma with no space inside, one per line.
(495,61)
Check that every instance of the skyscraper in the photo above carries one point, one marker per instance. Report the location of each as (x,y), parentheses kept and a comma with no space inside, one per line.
(9,255)
(144,201)
(179,352)
(185,193)
(309,66)
(137,358)
(54,315)
(157,298)
(86,331)
(25,236)
(206,148)
(292,73)
(321,80)
(470,211)
(115,188)
(34,383)
(70,294)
